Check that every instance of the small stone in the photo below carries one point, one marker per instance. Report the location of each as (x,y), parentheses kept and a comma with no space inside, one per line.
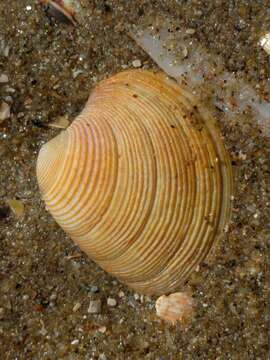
(53,296)
(2,313)
(43,331)
(137,63)
(3,78)
(4,48)
(16,206)
(94,289)
(76,73)
(136,296)
(76,307)
(25,297)
(185,52)
(4,111)
(10,89)
(111,302)
(102,357)
(94,307)
(121,294)
(190,31)
(75,342)
(102,329)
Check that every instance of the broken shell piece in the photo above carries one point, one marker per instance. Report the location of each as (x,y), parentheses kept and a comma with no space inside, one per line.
(4,111)
(175,307)
(69,8)
(265,42)
(16,206)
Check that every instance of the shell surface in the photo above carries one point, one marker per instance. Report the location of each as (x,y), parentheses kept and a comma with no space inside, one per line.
(140,180)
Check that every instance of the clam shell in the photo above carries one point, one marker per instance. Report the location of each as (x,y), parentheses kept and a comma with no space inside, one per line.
(140,180)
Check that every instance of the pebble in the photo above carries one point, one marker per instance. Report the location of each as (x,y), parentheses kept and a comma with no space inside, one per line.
(3,78)
(121,294)
(190,31)
(4,48)
(94,289)
(94,307)
(102,329)
(10,89)
(53,296)
(111,302)
(43,331)
(2,312)
(102,357)
(76,73)
(76,307)
(185,52)
(4,111)
(137,63)
(75,342)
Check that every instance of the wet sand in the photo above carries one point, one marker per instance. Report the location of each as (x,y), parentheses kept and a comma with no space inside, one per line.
(46,283)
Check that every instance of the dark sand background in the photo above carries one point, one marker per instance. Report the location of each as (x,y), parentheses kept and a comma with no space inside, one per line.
(42,274)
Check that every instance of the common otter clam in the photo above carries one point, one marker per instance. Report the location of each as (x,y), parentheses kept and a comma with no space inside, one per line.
(140,180)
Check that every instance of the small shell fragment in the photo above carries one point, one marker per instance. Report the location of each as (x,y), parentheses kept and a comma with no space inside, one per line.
(175,307)
(16,206)
(69,8)
(265,42)
(102,329)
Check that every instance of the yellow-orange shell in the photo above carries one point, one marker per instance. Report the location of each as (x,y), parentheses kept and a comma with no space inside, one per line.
(140,180)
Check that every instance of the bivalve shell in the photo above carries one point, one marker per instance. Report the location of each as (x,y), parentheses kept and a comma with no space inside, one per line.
(140,180)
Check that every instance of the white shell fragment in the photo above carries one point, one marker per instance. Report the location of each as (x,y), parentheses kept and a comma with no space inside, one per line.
(265,43)
(175,307)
